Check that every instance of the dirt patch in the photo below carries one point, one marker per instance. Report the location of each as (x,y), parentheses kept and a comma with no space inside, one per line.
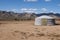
(26,30)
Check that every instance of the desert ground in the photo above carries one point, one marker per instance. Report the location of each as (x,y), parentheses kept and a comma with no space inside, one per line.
(26,30)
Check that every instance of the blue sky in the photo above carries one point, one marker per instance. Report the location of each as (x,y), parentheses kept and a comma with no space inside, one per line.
(37,6)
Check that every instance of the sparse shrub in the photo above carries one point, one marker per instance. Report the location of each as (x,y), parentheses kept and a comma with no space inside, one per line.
(24,34)
(56,35)
(52,38)
(16,31)
(40,34)
(16,19)
(0,23)
(32,34)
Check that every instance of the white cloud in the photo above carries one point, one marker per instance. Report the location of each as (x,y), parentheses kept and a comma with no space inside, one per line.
(29,10)
(32,9)
(52,11)
(47,0)
(44,10)
(13,10)
(23,9)
(30,0)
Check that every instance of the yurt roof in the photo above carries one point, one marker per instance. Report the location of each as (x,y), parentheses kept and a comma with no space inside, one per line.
(45,16)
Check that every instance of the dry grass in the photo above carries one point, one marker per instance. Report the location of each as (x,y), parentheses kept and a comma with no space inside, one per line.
(26,30)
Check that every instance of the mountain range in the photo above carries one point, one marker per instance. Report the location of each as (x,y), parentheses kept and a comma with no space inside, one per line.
(4,15)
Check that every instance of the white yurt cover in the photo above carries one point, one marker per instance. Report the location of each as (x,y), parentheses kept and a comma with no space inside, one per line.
(38,19)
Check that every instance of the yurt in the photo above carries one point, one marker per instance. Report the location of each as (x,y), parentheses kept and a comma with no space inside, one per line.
(44,20)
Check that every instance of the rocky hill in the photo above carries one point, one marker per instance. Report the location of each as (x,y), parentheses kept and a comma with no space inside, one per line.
(4,15)
(16,16)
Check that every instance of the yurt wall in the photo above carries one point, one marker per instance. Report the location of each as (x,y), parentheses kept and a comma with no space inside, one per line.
(51,22)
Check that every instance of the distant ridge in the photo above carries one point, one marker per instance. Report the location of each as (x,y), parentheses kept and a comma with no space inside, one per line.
(57,14)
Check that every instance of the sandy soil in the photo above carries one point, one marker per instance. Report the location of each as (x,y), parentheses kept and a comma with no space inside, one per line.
(26,30)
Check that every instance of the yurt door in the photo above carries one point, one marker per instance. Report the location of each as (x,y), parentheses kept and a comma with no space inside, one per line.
(44,21)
